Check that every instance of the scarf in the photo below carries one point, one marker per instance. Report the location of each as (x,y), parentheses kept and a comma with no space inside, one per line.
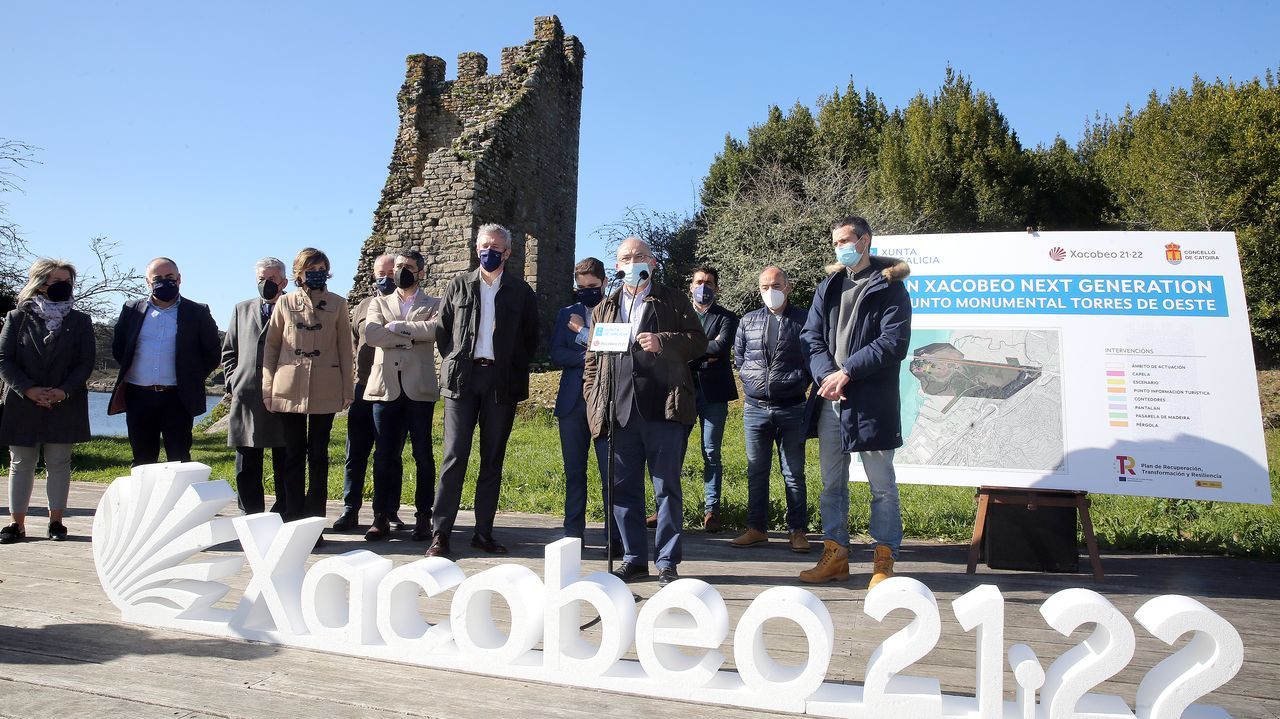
(52,313)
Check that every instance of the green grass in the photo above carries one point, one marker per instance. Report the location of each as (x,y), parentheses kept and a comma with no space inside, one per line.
(533,481)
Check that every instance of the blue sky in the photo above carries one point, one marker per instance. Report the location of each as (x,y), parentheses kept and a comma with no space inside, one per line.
(217,133)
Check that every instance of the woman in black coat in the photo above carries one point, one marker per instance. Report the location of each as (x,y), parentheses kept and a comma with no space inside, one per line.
(46,356)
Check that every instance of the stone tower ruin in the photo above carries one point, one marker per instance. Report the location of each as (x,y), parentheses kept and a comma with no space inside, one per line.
(487,148)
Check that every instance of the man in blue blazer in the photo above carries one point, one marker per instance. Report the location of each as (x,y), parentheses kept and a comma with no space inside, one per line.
(568,350)
(166,346)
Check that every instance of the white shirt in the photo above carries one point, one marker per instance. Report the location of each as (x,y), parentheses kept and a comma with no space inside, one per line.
(155,357)
(625,300)
(406,303)
(484,333)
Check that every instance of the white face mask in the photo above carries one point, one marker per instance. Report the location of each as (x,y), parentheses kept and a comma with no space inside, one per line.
(773,299)
(633,269)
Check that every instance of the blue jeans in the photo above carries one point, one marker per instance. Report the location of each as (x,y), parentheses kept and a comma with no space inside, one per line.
(713,416)
(394,421)
(575,442)
(360,437)
(659,446)
(765,428)
(886,515)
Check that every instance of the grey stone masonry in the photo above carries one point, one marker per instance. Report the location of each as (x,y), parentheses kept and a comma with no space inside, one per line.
(487,148)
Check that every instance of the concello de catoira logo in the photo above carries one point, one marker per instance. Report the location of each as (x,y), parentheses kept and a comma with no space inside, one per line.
(152,527)
(1173,253)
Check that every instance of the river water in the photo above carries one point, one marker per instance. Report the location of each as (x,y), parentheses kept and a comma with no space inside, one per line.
(100,423)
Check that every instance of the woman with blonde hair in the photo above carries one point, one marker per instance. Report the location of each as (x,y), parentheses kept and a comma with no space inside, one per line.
(46,356)
(307,376)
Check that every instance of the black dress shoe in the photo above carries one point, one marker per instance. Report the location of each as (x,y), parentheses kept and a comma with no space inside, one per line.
(439,545)
(57,531)
(13,533)
(346,521)
(631,571)
(422,530)
(397,523)
(487,544)
(667,575)
(379,530)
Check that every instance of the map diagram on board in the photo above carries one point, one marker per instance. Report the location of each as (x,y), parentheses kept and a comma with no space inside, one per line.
(983,398)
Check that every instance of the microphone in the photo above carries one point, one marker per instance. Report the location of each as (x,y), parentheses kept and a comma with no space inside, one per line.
(619,274)
(644,275)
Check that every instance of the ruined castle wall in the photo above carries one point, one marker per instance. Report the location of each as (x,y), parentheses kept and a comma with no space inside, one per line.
(487,148)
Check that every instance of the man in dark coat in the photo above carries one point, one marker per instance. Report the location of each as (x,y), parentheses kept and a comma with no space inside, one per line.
(251,427)
(486,333)
(713,383)
(166,346)
(857,333)
(653,407)
(773,365)
(361,433)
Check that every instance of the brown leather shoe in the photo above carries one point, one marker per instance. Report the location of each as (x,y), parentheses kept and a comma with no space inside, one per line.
(833,566)
(881,565)
(439,545)
(651,521)
(799,542)
(749,538)
(711,523)
(379,530)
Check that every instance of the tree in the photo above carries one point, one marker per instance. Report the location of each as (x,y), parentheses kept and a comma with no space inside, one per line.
(788,140)
(953,159)
(1067,193)
(97,284)
(1207,159)
(784,218)
(14,155)
(672,238)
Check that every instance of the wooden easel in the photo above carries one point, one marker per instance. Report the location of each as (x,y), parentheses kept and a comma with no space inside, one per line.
(1033,498)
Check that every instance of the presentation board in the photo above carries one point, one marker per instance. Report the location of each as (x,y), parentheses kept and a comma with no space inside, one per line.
(1110,362)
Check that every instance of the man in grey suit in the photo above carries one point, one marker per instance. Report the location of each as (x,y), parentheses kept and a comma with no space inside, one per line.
(252,428)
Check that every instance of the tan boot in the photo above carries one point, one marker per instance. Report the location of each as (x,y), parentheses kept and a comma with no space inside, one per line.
(882,565)
(833,566)
(799,542)
(749,538)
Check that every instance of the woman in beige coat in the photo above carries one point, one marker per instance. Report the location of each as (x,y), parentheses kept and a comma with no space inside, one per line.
(307,377)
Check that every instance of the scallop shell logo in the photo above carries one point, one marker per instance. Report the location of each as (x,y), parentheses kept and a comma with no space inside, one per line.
(146,528)
(1057,254)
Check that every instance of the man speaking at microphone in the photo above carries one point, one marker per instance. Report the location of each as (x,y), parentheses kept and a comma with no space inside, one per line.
(653,407)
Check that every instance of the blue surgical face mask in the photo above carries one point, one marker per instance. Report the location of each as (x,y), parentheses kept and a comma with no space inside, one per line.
(633,270)
(385,285)
(848,255)
(316,279)
(490,259)
(704,295)
(589,296)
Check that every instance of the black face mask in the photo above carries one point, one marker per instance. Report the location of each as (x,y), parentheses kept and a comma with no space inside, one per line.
(317,279)
(268,290)
(385,285)
(590,296)
(165,290)
(405,278)
(59,291)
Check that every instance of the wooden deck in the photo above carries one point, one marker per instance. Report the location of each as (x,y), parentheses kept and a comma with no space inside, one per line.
(65,653)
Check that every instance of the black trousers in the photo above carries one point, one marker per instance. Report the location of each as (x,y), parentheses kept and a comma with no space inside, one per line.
(155,416)
(477,407)
(249,492)
(306,470)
